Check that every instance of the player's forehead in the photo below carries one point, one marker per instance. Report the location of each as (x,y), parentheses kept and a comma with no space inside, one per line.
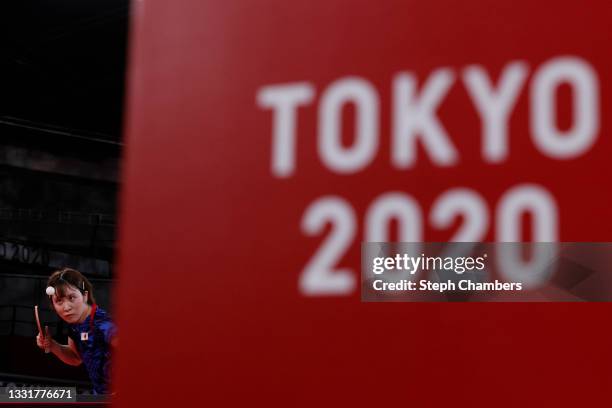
(63,291)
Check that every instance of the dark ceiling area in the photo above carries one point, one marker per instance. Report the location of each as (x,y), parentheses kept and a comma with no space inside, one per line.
(63,65)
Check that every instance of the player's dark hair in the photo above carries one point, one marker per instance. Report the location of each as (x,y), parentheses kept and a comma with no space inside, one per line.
(65,277)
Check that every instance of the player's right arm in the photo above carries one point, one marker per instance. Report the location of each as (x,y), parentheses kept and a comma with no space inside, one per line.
(67,353)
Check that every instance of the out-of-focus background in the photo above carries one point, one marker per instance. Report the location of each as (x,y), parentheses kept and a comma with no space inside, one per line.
(61,112)
(292,132)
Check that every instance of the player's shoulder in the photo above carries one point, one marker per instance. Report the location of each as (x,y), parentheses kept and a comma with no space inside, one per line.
(103,319)
(102,314)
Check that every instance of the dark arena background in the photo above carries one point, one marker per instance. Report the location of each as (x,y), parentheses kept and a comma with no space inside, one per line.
(63,66)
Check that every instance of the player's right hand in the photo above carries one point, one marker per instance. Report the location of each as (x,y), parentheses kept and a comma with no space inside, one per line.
(44,342)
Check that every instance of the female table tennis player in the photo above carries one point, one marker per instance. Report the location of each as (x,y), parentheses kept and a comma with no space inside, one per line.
(91,333)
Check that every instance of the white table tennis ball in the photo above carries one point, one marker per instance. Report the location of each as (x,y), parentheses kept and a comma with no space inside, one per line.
(50,290)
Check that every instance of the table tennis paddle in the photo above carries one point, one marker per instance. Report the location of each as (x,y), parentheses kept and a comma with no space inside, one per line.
(40,330)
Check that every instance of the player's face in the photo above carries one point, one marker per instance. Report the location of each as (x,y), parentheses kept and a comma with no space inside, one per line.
(72,306)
